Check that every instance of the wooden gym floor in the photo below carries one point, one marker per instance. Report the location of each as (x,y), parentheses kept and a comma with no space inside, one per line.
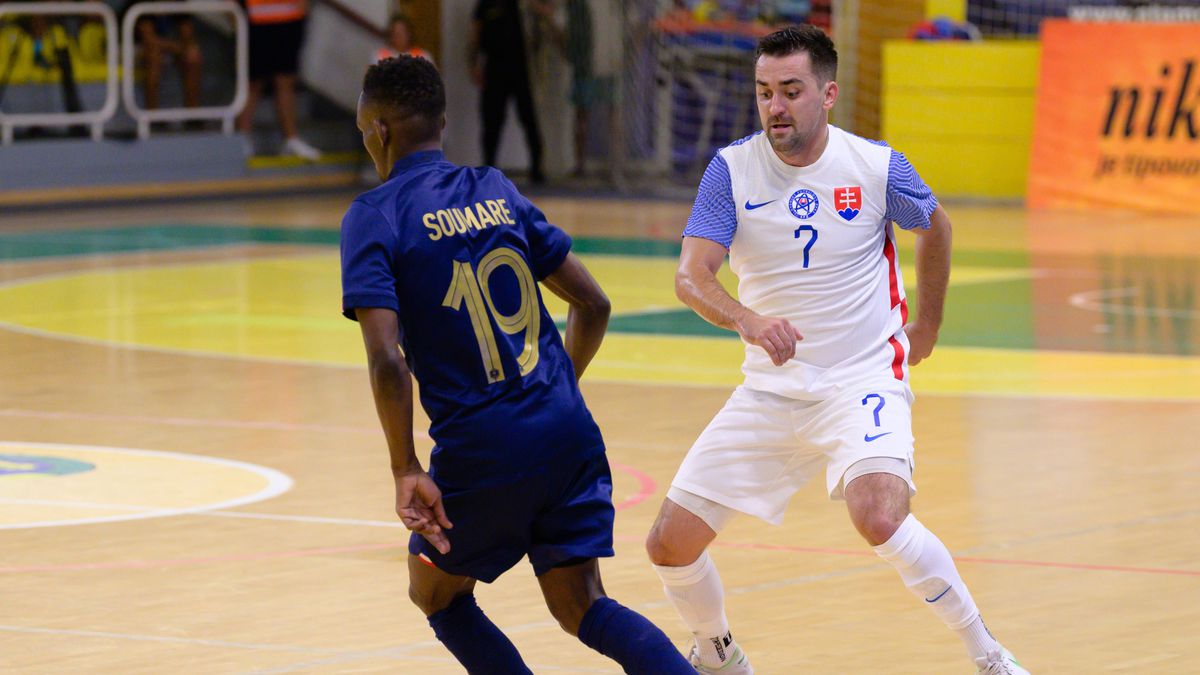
(192,478)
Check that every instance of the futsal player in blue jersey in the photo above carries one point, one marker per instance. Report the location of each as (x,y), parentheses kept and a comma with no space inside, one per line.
(440,267)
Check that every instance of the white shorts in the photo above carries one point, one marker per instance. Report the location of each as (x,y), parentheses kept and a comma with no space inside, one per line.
(761,448)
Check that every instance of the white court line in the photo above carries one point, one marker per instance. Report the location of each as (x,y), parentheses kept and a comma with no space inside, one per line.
(1097,301)
(168,639)
(277,484)
(401,652)
(352,656)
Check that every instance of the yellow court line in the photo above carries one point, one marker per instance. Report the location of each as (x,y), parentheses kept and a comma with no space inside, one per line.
(285,309)
(658,359)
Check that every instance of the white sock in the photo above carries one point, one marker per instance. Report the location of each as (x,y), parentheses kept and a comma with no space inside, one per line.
(699,597)
(978,639)
(927,569)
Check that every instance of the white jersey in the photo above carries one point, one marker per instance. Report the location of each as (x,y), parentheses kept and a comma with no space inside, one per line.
(815,245)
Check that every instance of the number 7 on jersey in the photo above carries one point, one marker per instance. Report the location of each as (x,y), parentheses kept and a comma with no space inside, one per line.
(812,239)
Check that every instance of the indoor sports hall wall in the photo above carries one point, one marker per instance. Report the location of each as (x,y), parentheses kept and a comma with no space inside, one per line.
(962,112)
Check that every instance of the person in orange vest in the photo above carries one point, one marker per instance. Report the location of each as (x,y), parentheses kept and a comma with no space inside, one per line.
(276,35)
(401,41)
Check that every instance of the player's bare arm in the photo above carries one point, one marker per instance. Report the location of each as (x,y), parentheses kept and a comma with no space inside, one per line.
(696,285)
(933,276)
(587,318)
(474,61)
(418,499)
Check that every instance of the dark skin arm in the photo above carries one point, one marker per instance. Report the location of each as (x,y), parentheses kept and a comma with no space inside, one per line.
(587,318)
(418,499)
(933,276)
(474,58)
(697,286)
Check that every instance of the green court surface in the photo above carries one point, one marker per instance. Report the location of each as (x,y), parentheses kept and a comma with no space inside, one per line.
(1070,325)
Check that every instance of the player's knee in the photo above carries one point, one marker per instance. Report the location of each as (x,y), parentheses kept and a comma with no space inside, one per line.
(568,613)
(665,551)
(878,526)
(428,602)
(656,548)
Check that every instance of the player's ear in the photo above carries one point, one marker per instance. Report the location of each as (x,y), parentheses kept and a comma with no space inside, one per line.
(831,94)
(383,130)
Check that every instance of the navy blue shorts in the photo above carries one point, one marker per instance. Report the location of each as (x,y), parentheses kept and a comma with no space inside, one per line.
(558,516)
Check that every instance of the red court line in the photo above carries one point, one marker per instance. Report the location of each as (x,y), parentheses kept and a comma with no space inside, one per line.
(646,485)
(960,559)
(1080,566)
(301,553)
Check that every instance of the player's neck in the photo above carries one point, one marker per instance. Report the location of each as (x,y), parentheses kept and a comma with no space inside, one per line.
(811,152)
(399,152)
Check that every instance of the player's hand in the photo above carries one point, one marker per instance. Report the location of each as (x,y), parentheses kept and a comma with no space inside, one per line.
(778,337)
(419,505)
(921,338)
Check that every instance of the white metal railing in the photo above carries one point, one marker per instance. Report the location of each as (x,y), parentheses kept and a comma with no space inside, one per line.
(94,118)
(226,113)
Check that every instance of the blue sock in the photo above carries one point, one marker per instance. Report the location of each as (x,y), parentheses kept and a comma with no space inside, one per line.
(628,638)
(474,640)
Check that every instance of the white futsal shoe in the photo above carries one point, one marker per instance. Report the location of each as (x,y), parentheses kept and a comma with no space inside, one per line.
(999,663)
(297,147)
(737,664)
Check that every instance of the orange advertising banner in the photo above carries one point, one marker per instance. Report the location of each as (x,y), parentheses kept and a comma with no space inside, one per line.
(1118,117)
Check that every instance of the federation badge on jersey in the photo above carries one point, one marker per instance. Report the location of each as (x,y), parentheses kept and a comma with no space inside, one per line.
(803,204)
(847,201)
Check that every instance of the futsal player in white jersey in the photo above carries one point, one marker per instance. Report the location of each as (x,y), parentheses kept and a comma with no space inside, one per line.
(806,214)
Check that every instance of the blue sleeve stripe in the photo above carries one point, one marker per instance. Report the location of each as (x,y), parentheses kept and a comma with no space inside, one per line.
(910,202)
(714,215)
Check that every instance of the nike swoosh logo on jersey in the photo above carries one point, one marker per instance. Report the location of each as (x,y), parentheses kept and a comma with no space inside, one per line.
(938,596)
(751,207)
(868,437)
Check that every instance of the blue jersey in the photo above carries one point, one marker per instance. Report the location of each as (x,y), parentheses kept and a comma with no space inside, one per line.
(457,253)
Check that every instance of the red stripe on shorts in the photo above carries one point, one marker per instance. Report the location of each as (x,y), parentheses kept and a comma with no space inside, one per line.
(889,254)
(898,361)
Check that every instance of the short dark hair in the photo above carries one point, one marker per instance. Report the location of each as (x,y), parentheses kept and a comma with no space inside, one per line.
(803,38)
(408,86)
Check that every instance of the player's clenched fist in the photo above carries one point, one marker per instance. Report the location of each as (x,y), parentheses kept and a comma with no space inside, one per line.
(921,339)
(419,505)
(777,336)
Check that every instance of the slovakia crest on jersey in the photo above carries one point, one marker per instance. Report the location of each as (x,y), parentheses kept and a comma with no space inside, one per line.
(847,201)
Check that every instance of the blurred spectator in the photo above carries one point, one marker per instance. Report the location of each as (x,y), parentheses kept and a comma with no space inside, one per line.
(589,33)
(401,41)
(163,36)
(786,12)
(496,54)
(943,28)
(276,35)
(41,43)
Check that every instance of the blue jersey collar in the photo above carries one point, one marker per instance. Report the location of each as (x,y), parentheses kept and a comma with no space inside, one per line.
(409,161)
